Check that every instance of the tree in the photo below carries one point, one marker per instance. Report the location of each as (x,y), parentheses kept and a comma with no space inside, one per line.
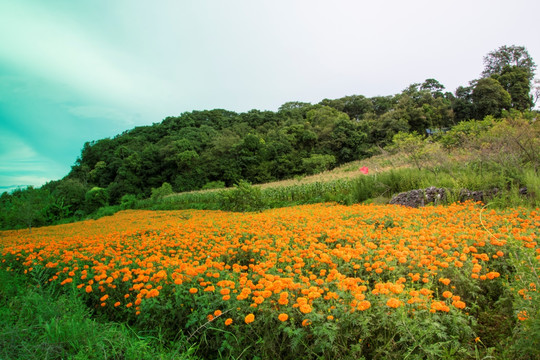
(72,192)
(462,105)
(495,61)
(433,86)
(490,98)
(29,207)
(317,163)
(95,198)
(516,81)
(161,192)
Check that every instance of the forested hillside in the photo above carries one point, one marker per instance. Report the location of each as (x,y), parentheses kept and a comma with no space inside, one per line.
(218,148)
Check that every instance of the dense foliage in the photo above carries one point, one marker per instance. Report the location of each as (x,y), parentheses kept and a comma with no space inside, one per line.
(218,148)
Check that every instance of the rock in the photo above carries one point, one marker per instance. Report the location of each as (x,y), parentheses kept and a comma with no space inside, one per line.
(421,197)
(480,195)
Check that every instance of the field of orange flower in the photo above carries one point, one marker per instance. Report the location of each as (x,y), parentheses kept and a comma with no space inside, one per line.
(314,281)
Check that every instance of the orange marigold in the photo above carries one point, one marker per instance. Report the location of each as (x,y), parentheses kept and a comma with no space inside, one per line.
(394,303)
(522,315)
(249,318)
(228,322)
(364,305)
(283,317)
(444,281)
(193,290)
(459,304)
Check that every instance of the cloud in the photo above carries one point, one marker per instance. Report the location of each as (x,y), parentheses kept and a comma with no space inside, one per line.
(56,48)
(21,165)
(117,116)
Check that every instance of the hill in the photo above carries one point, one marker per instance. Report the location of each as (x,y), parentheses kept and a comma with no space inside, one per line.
(218,148)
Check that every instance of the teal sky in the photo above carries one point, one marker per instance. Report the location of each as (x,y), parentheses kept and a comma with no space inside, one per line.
(76,71)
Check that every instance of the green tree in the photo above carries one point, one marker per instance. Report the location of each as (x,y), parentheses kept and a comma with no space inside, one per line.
(515,80)
(72,192)
(518,56)
(433,86)
(462,105)
(164,190)
(490,98)
(29,207)
(317,163)
(95,198)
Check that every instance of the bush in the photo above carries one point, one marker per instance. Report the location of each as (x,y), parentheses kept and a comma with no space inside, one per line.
(128,201)
(161,192)
(244,197)
(317,163)
(95,198)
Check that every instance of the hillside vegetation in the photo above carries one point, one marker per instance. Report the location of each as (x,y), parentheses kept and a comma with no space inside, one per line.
(424,126)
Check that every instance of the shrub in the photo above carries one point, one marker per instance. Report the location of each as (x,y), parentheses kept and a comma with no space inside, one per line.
(161,192)
(96,198)
(243,197)
(128,201)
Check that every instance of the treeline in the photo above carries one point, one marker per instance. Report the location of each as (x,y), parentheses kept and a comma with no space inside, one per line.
(218,148)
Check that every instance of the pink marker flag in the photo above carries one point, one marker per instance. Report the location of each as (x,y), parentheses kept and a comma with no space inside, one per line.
(364,170)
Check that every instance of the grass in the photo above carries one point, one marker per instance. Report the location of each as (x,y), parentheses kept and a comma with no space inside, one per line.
(38,323)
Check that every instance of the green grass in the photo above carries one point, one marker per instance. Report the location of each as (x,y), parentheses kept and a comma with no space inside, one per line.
(38,324)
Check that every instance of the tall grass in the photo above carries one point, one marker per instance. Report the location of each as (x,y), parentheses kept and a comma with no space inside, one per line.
(379,187)
(37,323)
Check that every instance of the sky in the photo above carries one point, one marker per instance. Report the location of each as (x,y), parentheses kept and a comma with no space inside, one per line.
(78,71)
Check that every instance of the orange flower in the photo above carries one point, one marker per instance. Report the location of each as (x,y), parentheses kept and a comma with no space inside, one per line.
(459,304)
(228,322)
(88,289)
(306,322)
(193,290)
(394,303)
(249,318)
(283,317)
(444,281)
(447,294)
(305,309)
(364,305)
